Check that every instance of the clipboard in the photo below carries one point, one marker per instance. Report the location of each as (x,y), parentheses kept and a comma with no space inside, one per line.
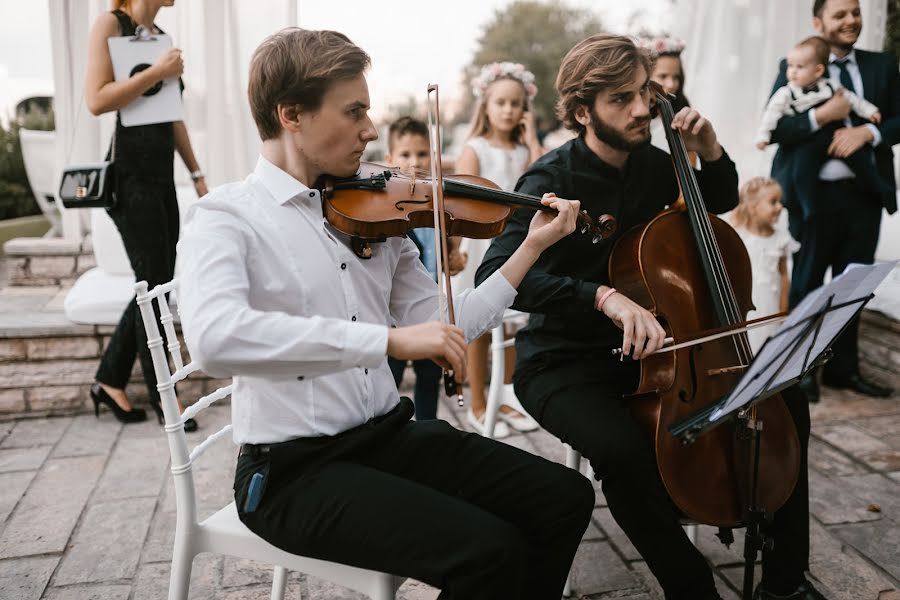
(131,55)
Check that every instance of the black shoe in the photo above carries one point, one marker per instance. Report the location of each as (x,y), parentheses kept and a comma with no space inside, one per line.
(805,592)
(99,396)
(190,426)
(859,385)
(810,387)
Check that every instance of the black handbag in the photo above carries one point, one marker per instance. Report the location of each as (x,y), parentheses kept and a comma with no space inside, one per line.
(90,186)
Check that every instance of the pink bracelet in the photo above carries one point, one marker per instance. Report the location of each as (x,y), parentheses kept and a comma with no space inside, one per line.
(603,298)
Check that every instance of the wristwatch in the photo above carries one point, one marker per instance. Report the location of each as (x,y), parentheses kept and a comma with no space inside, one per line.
(195,175)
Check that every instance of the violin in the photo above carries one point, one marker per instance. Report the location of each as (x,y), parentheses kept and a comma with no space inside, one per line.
(382,202)
(691,270)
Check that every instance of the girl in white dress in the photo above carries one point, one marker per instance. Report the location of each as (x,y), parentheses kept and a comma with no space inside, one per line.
(769,245)
(502,143)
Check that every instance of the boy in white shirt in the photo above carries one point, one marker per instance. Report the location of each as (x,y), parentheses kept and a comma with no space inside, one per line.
(331,466)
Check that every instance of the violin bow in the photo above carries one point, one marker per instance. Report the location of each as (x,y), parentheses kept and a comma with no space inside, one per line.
(445,291)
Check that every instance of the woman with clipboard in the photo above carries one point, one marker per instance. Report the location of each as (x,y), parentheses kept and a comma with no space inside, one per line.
(146,209)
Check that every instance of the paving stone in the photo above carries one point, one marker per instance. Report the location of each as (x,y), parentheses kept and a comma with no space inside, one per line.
(654,590)
(137,467)
(5,429)
(160,541)
(23,459)
(734,576)
(593,530)
(87,436)
(319,589)
(89,592)
(841,405)
(121,525)
(25,578)
(875,488)
(841,573)
(615,534)
(416,590)
(48,512)
(879,541)
(715,551)
(597,568)
(831,461)
(36,432)
(12,486)
(152,581)
(832,503)
(239,572)
(292,590)
(886,428)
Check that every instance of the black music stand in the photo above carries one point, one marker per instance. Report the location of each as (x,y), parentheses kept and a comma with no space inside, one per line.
(801,344)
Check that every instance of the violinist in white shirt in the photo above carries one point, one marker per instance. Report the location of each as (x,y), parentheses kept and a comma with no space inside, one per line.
(331,465)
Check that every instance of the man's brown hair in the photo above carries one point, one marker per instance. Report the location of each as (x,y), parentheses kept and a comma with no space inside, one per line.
(821,49)
(298,66)
(406,126)
(596,64)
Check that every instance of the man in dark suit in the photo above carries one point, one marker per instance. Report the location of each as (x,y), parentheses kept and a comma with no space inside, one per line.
(839,223)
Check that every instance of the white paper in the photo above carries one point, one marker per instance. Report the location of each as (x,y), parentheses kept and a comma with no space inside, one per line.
(162,105)
(857,281)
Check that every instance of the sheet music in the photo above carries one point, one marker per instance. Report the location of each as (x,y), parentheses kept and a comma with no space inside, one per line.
(857,281)
(161,103)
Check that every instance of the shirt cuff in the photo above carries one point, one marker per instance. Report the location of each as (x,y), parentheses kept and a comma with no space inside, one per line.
(497,292)
(813,124)
(876,135)
(365,345)
(587,295)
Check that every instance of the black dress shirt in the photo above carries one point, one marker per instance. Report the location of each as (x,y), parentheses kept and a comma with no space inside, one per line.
(560,290)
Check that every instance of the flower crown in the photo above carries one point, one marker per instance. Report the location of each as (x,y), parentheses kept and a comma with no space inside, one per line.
(504,70)
(662,45)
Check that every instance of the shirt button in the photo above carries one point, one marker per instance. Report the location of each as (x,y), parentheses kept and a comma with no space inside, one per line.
(343,266)
(353,318)
(300,378)
(312,194)
(367,371)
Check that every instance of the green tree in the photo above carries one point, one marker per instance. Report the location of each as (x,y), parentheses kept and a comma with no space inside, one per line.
(16,199)
(538,35)
(892,37)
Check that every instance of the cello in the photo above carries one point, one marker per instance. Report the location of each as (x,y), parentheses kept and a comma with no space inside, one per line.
(691,270)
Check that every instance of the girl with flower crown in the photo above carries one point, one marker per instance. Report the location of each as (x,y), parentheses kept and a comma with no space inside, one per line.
(501,145)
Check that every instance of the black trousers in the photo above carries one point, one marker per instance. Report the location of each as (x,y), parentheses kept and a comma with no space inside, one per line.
(476,518)
(843,229)
(427,387)
(581,403)
(146,214)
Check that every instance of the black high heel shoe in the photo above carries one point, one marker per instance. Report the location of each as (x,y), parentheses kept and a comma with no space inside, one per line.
(99,396)
(190,425)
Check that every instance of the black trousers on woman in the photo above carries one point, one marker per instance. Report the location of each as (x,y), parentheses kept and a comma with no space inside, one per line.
(146,214)
(581,403)
(478,519)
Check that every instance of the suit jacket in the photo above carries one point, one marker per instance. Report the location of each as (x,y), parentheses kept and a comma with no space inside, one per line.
(881,87)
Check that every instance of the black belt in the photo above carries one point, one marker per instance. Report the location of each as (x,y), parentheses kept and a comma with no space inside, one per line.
(254,450)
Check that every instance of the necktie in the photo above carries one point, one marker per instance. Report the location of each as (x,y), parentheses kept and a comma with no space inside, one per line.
(847,83)
(845,78)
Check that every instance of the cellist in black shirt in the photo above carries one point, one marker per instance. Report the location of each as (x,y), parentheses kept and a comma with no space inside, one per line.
(566,376)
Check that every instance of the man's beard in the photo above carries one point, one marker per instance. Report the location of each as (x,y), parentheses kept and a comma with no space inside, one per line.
(833,39)
(613,137)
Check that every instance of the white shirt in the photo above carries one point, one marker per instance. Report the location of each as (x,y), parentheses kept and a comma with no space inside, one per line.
(792,99)
(274,296)
(836,169)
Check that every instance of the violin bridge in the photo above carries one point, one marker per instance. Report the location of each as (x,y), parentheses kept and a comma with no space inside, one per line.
(726,370)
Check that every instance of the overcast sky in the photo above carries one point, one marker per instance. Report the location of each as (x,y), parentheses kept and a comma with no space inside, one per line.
(444,40)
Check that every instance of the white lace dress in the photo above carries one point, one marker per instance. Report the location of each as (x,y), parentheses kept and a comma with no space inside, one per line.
(503,166)
(765,252)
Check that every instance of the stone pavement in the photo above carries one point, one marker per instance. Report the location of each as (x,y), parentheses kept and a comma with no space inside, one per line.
(87,511)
